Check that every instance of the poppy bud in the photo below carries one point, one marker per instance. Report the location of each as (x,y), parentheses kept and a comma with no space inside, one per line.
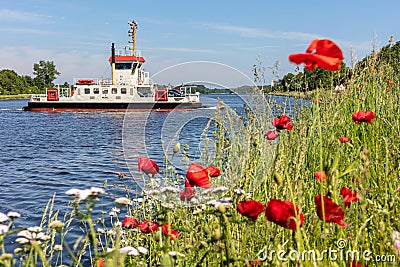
(177,147)
(382,226)
(221,208)
(217,234)
(278,179)
(206,230)
(166,261)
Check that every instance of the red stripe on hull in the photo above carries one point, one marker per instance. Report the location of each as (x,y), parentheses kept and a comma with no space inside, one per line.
(97,109)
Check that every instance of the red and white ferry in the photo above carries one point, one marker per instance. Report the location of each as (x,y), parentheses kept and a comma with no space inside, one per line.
(129,88)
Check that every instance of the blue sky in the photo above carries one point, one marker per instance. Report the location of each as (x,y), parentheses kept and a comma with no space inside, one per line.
(77,35)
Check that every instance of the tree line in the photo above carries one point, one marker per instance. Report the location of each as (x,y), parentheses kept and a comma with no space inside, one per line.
(44,72)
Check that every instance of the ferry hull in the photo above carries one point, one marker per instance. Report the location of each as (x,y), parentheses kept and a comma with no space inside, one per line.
(121,106)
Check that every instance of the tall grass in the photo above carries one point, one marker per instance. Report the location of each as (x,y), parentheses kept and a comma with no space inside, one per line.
(215,234)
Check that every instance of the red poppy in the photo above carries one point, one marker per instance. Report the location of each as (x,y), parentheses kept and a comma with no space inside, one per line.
(390,82)
(344,139)
(363,116)
(320,53)
(148,227)
(148,166)
(197,175)
(213,171)
(250,208)
(271,135)
(355,263)
(283,122)
(320,176)
(283,213)
(189,192)
(173,233)
(130,222)
(332,211)
(100,262)
(348,196)
(256,262)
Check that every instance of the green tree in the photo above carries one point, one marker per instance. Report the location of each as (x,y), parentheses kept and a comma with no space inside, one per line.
(12,84)
(45,72)
(388,57)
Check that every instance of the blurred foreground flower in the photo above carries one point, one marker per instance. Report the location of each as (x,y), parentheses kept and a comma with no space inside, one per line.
(197,175)
(123,201)
(130,222)
(3,217)
(3,229)
(271,135)
(148,227)
(250,208)
(348,196)
(172,233)
(213,171)
(283,213)
(320,176)
(148,166)
(100,262)
(32,233)
(283,122)
(329,211)
(320,54)
(363,116)
(86,193)
(131,251)
(396,241)
(189,192)
(344,139)
(355,263)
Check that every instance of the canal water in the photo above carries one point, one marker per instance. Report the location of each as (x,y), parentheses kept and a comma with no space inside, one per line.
(43,154)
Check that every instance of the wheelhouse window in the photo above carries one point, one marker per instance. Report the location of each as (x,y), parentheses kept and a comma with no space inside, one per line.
(87,91)
(123,66)
(96,91)
(114,91)
(105,91)
(144,91)
(123,91)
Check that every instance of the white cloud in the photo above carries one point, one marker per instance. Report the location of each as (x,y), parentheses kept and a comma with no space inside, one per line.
(13,15)
(182,49)
(263,33)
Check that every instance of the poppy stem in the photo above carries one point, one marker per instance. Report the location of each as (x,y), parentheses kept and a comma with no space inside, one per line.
(226,237)
(321,149)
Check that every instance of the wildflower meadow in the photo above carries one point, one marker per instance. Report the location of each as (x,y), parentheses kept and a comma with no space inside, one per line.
(318,186)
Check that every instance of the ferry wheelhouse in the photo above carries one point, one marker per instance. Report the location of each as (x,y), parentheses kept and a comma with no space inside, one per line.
(130,87)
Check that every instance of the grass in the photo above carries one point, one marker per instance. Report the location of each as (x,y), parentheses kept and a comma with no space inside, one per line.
(215,234)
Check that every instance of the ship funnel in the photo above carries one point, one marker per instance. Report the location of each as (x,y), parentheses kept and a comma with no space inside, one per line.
(113,63)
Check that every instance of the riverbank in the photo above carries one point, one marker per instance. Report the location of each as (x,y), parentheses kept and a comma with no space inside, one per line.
(14,97)
(296,94)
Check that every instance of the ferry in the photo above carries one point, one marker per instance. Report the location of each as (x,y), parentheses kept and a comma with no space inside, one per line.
(130,88)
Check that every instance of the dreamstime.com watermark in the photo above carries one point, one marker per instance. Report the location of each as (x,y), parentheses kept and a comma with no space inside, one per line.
(339,253)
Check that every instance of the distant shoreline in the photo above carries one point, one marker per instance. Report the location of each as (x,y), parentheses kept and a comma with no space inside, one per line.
(14,97)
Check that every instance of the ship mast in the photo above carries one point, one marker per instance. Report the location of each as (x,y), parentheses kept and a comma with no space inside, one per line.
(132,33)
